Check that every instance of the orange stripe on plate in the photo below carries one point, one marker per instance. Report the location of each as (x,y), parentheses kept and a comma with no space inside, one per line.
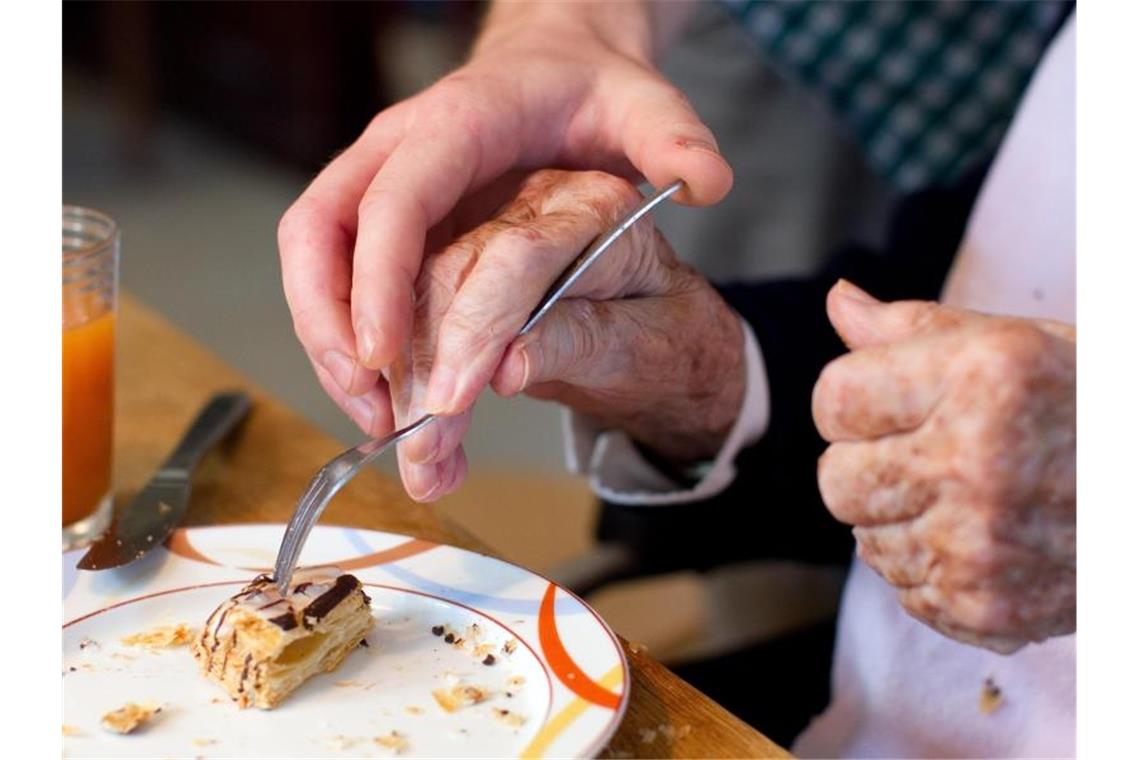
(179,543)
(567,715)
(562,664)
(400,551)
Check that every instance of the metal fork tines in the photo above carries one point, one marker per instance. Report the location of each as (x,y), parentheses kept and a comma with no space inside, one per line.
(330,479)
(340,470)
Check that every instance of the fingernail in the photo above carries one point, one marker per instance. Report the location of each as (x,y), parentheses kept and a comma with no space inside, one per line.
(441,389)
(361,412)
(855,293)
(517,374)
(695,144)
(366,339)
(340,367)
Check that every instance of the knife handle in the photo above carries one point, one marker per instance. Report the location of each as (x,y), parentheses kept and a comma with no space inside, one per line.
(221,415)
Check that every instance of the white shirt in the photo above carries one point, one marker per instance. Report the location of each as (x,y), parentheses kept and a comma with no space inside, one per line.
(900,689)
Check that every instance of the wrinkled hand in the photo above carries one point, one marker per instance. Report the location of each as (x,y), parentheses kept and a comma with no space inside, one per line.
(641,342)
(544,87)
(954,456)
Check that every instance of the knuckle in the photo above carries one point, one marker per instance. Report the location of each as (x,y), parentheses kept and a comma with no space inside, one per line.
(1009,350)
(294,223)
(927,315)
(583,325)
(610,195)
(457,105)
(982,610)
(469,331)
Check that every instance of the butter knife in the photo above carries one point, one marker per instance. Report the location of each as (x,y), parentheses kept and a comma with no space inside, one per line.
(156,511)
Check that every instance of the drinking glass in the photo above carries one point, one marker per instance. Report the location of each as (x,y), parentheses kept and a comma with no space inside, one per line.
(90,285)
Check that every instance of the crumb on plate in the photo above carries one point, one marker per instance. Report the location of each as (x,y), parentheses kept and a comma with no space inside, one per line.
(460,695)
(414,710)
(509,646)
(161,637)
(71,731)
(512,719)
(130,716)
(204,742)
(393,740)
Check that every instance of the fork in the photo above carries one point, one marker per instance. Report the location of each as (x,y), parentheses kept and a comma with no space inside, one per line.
(341,469)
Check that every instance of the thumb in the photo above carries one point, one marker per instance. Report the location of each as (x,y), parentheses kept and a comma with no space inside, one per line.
(666,140)
(863,321)
(567,345)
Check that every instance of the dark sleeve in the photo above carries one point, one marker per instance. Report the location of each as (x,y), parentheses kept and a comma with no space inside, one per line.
(775,489)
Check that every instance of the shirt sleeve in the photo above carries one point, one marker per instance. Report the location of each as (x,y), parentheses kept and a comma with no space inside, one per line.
(618,472)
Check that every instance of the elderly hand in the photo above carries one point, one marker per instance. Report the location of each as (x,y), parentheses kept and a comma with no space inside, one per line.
(547,84)
(954,456)
(641,342)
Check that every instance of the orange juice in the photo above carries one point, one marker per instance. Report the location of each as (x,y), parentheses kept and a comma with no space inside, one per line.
(88,405)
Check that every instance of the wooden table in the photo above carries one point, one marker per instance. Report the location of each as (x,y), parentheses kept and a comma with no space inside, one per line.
(165,376)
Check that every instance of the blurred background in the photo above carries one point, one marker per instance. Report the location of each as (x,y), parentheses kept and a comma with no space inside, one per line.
(196,124)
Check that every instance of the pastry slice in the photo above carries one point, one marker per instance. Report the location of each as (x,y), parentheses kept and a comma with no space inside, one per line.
(260,645)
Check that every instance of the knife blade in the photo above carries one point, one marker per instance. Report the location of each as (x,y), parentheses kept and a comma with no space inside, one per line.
(156,511)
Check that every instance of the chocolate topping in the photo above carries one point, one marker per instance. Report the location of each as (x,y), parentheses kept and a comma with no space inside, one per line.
(326,602)
(286,621)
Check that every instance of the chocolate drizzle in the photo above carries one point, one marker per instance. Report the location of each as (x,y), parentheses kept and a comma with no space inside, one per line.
(244,673)
(286,621)
(326,602)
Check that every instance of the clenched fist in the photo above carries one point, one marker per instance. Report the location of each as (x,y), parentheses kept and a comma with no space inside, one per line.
(953,455)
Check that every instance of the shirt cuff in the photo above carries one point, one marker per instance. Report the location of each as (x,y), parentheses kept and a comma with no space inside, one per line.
(619,473)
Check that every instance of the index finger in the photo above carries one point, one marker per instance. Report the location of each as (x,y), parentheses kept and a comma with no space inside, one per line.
(418,185)
(878,391)
(315,241)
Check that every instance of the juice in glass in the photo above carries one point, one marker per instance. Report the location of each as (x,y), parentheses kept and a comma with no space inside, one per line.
(90,271)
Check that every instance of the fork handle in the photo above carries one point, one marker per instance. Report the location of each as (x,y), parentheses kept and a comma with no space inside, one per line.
(221,415)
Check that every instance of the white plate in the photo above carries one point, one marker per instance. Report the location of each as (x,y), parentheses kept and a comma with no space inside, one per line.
(574,677)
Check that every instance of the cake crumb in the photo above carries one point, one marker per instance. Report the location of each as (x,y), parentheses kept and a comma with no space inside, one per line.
(991,697)
(85,643)
(162,637)
(510,645)
(346,683)
(393,740)
(648,735)
(129,717)
(636,647)
(512,719)
(516,680)
(460,695)
(414,710)
(204,742)
(71,731)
